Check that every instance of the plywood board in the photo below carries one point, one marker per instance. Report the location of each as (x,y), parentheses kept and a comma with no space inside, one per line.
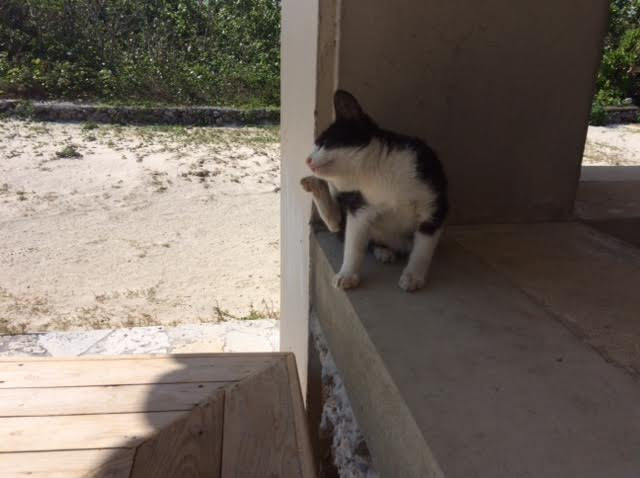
(105,399)
(129,371)
(67,464)
(81,432)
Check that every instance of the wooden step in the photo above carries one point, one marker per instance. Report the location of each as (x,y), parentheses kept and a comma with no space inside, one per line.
(187,416)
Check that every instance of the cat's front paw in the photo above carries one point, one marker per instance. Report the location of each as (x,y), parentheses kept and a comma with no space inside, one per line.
(344,280)
(410,282)
(311,184)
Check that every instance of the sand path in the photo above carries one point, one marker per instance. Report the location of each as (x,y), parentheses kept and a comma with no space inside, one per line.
(150,226)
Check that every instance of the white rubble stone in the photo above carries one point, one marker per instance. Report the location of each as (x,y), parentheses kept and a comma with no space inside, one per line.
(71,344)
(137,340)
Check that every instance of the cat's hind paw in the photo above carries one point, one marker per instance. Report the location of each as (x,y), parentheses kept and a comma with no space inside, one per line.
(410,282)
(345,281)
(384,255)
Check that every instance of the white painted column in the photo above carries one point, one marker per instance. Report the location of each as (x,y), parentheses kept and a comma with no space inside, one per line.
(298,86)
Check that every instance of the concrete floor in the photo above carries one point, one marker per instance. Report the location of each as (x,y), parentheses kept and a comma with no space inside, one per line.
(520,358)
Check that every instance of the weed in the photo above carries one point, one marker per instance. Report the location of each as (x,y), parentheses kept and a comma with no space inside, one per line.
(69,152)
(88,126)
(266,312)
(7,328)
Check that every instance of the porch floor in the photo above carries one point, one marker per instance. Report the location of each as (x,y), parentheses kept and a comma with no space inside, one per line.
(188,416)
(521,356)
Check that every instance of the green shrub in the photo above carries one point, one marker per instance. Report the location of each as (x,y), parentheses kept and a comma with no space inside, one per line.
(619,74)
(598,114)
(223,52)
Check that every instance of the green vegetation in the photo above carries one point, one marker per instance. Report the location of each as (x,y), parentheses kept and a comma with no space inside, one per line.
(619,75)
(215,52)
(69,152)
(265,312)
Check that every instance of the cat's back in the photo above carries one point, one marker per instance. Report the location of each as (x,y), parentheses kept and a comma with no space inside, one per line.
(407,169)
(424,159)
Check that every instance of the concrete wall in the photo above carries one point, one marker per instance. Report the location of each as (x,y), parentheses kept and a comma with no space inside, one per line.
(299,46)
(500,88)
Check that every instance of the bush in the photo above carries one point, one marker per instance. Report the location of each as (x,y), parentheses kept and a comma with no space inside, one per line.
(223,52)
(619,74)
(598,115)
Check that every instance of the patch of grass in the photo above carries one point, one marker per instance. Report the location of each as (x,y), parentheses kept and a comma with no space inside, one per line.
(88,126)
(210,135)
(141,320)
(20,305)
(69,152)
(39,129)
(7,328)
(267,311)
(60,324)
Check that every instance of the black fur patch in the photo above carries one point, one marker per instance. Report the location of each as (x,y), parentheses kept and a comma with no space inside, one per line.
(351,201)
(437,220)
(429,169)
(347,133)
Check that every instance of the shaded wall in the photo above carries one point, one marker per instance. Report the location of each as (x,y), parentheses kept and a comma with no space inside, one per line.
(501,89)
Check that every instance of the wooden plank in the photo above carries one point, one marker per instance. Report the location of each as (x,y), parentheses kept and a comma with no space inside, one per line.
(130,371)
(259,432)
(68,464)
(93,358)
(305,452)
(189,448)
(81,431)
(15,402)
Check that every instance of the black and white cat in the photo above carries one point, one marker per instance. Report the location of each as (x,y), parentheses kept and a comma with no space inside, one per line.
(390,189)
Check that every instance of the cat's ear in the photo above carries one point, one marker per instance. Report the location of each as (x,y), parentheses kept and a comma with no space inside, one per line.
(346,105)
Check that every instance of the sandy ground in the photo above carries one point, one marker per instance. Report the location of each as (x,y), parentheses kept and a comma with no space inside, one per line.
(151,225)
(613,146)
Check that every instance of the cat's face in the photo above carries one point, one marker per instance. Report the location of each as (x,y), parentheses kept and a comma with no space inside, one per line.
(336,148)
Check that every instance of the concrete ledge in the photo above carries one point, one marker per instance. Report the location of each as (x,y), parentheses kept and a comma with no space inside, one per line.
(186,115)
(476,375)
(609,173)
(622,114)
(608,199)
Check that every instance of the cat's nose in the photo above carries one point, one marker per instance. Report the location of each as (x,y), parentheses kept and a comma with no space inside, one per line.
(309,160)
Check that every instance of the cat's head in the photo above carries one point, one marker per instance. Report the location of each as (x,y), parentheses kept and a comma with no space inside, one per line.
(336,148)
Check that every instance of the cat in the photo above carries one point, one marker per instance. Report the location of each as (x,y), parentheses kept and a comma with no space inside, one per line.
(382,188)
